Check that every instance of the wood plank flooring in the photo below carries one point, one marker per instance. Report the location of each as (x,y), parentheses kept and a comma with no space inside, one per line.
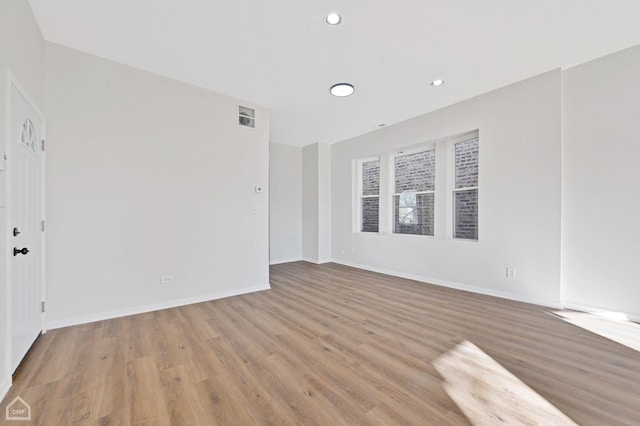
(332,345)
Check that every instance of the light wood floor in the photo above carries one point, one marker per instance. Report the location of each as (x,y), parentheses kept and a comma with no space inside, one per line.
(331,345)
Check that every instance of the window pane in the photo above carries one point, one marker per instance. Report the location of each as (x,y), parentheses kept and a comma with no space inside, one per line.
(370,209)
(466,214)
(415,172)
(407,209)
(371,178)
(467,163)
(413,214)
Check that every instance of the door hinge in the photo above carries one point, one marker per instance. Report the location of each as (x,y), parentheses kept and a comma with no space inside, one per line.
(42,226)
(42,306)
(42,144)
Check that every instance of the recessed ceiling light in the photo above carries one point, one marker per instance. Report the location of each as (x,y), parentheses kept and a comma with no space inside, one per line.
(436,83)
(342,89)
(333,19)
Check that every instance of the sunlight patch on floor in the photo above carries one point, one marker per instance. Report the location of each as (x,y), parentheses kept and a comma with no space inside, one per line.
(487,393)
(610,326)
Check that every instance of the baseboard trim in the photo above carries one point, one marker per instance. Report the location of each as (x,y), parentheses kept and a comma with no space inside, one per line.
(602,311)
(456,286)
(317,261)
(51,325)
(281,261)
(4,388)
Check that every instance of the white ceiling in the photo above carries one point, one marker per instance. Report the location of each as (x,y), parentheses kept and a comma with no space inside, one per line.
(280,54)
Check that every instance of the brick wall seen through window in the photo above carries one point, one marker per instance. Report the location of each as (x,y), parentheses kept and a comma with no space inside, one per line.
(413,198)
(465,192)
(370,196)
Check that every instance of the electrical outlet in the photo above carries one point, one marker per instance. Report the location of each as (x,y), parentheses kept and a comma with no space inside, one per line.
(511,273)
(167,279)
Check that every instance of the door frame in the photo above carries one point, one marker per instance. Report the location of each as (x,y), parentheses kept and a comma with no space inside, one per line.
(12,81)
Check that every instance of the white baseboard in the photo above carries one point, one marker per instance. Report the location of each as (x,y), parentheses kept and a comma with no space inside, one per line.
(317,261)
(280,261)
(51,325)
(602,311)
(4,388)
(449,284)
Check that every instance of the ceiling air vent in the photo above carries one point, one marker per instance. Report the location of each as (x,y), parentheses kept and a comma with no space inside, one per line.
(246,116)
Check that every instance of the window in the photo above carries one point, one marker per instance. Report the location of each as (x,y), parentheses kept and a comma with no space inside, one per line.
(465,190)
(370,196)
(414,192)
(394,193)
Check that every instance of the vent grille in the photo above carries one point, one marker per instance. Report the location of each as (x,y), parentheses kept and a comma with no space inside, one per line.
(246,116)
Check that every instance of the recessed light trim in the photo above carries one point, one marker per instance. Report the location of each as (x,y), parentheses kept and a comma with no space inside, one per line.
(436,83)
(333,19)
(342,89)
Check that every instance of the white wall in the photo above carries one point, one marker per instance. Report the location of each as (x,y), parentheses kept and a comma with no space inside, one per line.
(324,203)
(22,53)
(310,203)
(316,203)
(285,203)
(148,177)
(601,181)
(519,196)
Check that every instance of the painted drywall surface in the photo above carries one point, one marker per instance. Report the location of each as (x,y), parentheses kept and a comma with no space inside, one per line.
(316,203)
(285,203)
(324,203)
(310,203)
(520,145)
(601,177)
(21,53)
(148,177)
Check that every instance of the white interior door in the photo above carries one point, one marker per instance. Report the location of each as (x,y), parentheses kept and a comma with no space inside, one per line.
(25,215)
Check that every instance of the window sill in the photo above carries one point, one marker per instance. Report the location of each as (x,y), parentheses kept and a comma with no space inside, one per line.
(415,236)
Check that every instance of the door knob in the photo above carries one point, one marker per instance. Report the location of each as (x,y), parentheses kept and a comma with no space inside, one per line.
(17,251)
(16,232)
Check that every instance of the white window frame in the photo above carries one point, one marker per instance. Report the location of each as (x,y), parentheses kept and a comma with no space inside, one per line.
(451,190)
(357,200)
(392,185)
